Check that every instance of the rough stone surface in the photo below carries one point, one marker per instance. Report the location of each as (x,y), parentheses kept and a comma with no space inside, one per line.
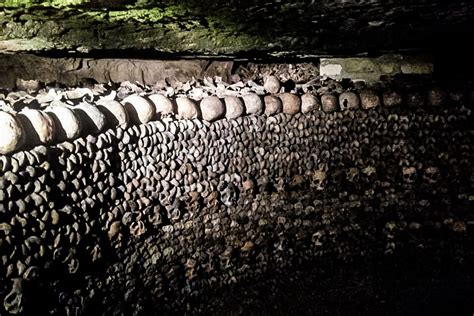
(231,27)
(372,69)
(76,71)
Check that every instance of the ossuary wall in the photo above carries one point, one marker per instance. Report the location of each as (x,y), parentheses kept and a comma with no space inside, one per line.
(146,217)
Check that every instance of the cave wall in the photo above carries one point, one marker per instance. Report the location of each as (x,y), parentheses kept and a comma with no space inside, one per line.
(236,27)
(76,71)
(145,218)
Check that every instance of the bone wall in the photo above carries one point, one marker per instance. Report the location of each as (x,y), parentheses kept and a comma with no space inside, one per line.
(145,218)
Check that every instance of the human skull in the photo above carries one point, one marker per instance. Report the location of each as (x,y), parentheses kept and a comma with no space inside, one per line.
(13,301)
(229,194)
(431,175)
(352,174)
(319,179)
(370,171)
(409,174)
(318,238)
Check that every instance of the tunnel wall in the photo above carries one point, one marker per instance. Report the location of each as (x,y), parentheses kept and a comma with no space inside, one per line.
(147,217)
(74,71)
(234,28)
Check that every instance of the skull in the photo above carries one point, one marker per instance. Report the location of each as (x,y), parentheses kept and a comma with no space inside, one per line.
(297,181)
(248,185)
(280,184)
(319,179)
(212,198)
(431,175)
(352,174)
(229,194)
(154,216)
(318,238)
(13,301)
(370,170)
(409,174)
(190,266)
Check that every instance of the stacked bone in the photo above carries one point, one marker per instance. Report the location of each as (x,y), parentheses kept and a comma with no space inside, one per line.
(152,213)
(58,123)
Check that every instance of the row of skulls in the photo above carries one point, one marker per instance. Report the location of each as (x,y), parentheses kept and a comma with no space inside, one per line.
(31,127)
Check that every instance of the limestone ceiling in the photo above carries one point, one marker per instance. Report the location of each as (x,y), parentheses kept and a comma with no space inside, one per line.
(234,27)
